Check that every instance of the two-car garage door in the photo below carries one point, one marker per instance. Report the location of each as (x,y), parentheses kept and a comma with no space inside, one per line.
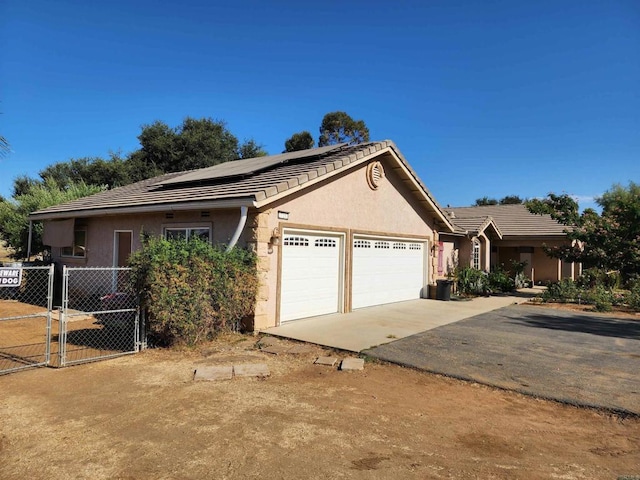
(384,270)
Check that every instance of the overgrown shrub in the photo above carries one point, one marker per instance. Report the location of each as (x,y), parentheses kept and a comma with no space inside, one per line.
(563,291)
(192,290)
(594,277)
(632,298)
(471,281)
(600,297)
(595,287)
(499,281)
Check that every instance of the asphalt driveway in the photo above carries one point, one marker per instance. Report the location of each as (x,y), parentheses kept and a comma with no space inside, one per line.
(579,358)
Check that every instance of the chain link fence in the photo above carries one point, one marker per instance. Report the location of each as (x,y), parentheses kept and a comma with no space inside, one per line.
(100,316)
(26,316)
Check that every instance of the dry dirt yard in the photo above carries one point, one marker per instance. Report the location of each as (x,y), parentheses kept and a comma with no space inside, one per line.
(144,417)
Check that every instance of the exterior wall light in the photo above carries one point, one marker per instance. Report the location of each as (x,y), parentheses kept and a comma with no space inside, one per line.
(275,238)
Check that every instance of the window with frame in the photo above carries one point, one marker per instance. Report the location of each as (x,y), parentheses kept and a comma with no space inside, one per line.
(79,247)
(362,244)
(187,233)
(475,255)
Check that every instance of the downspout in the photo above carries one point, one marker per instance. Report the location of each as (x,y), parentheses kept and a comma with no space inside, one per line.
(29,241)
(243,220)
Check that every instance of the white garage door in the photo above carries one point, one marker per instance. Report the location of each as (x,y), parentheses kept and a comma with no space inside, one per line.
(386,270)
(311,273)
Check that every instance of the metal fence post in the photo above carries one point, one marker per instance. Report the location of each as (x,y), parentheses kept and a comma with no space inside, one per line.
(62,334)
(47,354)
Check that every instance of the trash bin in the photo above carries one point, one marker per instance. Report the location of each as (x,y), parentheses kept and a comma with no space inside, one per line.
(443,290)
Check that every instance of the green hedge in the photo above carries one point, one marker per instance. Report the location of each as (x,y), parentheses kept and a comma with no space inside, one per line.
(597,288)
(191,290)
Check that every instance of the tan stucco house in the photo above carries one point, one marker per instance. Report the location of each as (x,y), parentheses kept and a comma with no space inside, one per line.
(487,236)
(335,228)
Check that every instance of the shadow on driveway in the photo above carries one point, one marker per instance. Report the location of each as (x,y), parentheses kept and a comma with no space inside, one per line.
(595,325)
(573,357)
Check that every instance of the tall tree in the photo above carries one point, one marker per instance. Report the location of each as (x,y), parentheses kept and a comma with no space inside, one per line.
(251,149)
(22,185)
(299,141)
(506,200)
(484,201)
(197,143)
(159,147)
(562,208)
(114,172)
(14,223)
(511,200)
(338,127)
(610,240)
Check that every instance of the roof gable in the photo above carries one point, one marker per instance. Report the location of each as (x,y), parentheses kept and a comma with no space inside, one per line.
(477,225)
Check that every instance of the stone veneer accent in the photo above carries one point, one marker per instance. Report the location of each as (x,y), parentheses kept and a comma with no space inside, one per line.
(260,234)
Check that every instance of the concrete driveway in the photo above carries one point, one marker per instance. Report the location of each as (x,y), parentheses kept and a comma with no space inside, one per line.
(584,359)
(367,327)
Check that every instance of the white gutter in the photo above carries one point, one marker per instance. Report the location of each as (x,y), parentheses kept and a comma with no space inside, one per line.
(243,220)
(152,208)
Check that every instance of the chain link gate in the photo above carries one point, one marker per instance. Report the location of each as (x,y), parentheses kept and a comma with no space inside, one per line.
(26,315)
(100,317)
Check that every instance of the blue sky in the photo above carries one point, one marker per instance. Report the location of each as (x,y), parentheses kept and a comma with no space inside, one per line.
(482,97)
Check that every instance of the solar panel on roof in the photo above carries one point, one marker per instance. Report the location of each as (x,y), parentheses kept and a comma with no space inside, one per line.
(247,166)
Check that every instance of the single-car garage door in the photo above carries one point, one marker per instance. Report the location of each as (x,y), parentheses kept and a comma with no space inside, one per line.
(311,274)
(386,270)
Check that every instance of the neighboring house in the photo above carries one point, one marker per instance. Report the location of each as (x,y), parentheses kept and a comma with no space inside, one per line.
(492,235)
(334,228)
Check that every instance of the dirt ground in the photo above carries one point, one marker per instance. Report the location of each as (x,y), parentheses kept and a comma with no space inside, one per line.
(144,417)
(23,340)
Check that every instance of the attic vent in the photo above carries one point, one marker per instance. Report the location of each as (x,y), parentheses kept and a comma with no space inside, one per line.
(205,214)
(375,175)
(452,214)
(168,215)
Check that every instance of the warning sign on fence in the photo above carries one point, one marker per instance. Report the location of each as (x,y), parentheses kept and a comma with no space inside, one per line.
(10,277)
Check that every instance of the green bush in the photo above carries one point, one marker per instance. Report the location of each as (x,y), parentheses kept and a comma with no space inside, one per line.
(632,298)
(594,277)
(600,297)
(192,290)
(499,281)
(471,281)
(520,280)
(563,291)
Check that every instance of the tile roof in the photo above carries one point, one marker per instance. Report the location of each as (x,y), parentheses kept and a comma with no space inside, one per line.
(512,220)
(475,224)
(247,166)
(251,182)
